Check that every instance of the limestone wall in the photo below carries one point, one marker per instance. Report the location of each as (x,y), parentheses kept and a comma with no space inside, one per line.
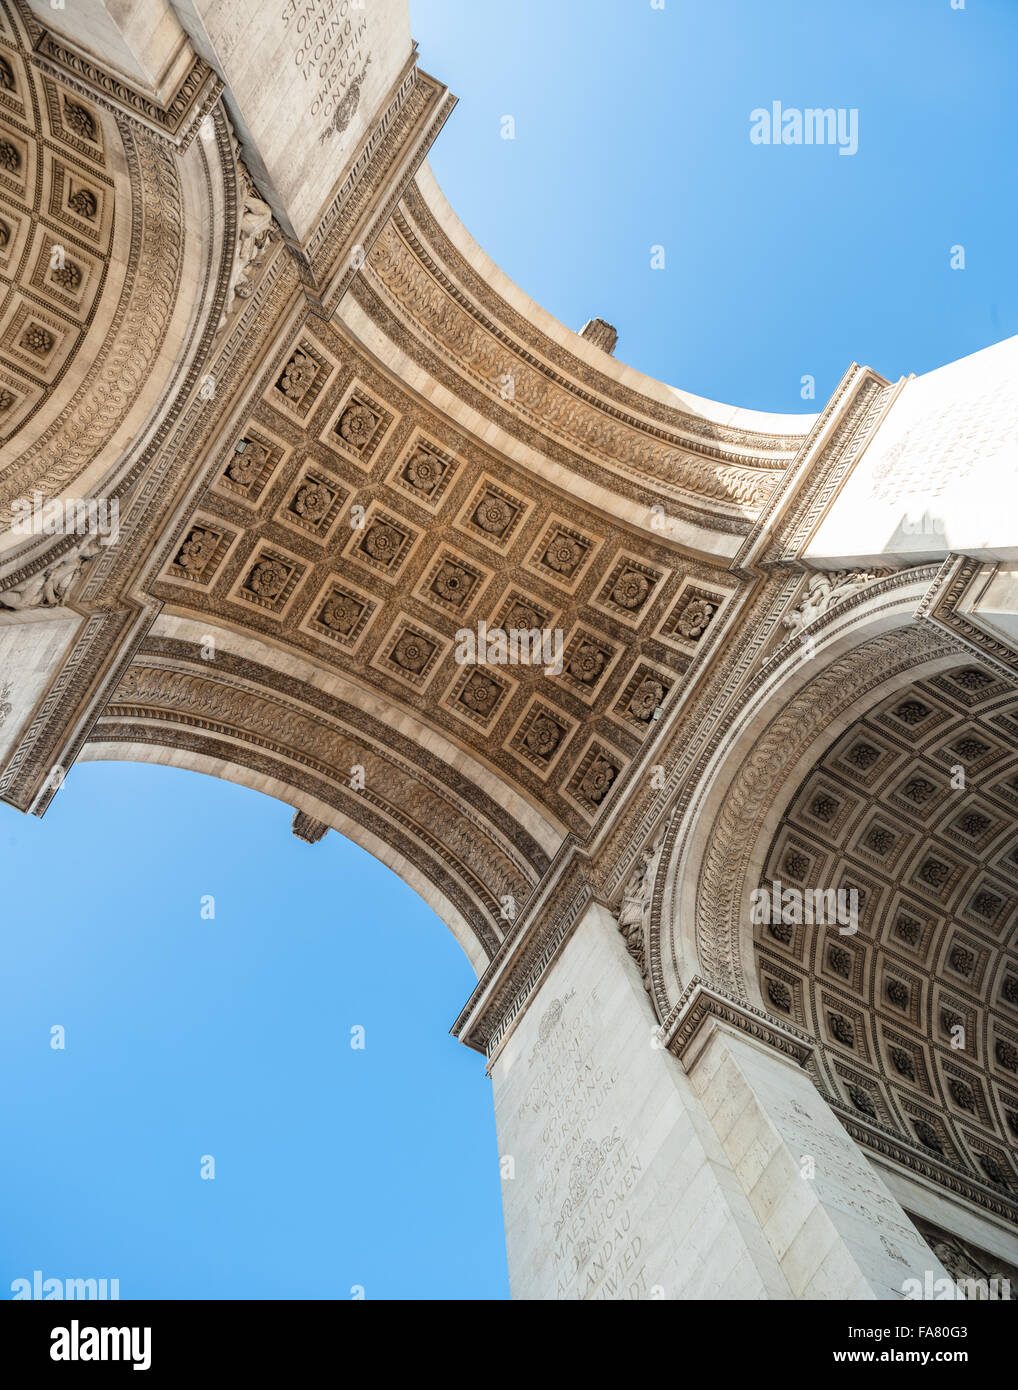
(624,1177)
(620,1187)
(941,473)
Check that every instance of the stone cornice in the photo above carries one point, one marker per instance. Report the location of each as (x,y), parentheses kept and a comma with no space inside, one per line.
(722,443)
(693,727)
(686,1029)
(375,180)
(106,641)
(517,969)
(681,1029)
(809,490)
(890,1145)
(940,608)
(781,531)
(636,488)
(177,121)
(401,269)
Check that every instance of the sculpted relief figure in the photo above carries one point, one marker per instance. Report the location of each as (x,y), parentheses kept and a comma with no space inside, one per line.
(49,587)
(823,592)
(256,230)
(635,908)
(978,1279)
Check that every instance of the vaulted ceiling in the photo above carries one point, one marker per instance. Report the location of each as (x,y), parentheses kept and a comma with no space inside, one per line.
(915,806)
(429,459)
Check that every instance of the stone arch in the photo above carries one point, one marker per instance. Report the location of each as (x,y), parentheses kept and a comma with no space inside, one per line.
(913,808)
(885,1064)
(469,845)
(115,328)
(795,705)
(233,765)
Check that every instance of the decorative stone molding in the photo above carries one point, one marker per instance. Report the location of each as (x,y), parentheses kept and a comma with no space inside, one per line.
(105,640)
(847,425)
(177,121)
(824,590)
(940,608)
(49,587)
(402,268)
(773,756)
(888,1144)
(634,911)
(728,443)
(523,958)
(308,829)
(476,853)
(148,473)
(680,1030)
(546,548)
(688,738)
(137,331)
(601,333)
(257,231)
(384,166)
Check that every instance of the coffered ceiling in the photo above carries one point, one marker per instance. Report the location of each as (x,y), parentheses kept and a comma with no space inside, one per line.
(915,806)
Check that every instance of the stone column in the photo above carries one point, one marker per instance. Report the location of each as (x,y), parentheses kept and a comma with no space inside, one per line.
(829,1218)
(615,1184)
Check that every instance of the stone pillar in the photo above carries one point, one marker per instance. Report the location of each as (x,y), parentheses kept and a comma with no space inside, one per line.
(33,643)
(615,1184)
(830,1220)
(628,1174)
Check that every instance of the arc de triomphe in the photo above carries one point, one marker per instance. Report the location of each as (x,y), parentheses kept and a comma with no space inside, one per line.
(237,305)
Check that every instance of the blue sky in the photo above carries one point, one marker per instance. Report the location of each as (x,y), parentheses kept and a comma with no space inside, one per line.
(632,130)
(187,1036)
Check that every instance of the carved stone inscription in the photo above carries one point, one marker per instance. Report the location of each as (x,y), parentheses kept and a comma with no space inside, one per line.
(595,1135)
(589,1169)
(874,1230)
(324,69)
(327,49)
(842,1177)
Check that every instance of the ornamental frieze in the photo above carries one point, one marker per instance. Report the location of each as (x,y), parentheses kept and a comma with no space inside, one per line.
(477,351)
